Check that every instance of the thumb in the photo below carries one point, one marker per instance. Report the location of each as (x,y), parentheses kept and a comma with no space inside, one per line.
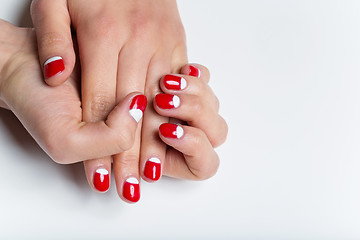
(52,23)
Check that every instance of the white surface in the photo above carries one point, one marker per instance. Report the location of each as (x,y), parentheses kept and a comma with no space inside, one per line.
(287,75)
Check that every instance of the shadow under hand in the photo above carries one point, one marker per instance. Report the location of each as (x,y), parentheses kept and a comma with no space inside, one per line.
(73,173)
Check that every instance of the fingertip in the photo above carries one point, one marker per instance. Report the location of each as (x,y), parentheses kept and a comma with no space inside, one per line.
(196,70)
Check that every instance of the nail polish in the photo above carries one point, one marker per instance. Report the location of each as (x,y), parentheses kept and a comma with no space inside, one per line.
(131,189)
(53,66)
(101,180)
(194,71)
(153,169)
(170,130)
(137,107)
(173,82)
(167,101)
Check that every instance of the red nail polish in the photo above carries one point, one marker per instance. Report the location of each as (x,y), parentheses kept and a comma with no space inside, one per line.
(53,66)
(167,101)
(170,130)
(193,71)
(131,189)
(137,107)
(101,180)
(173,82)
(153,169)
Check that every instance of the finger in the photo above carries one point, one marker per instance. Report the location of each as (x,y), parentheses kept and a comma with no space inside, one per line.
(194,152)
(196,70)
(99,57)
(100,139)
(132,68)
(153,150)
(196,110)
(98,174)
(56,52)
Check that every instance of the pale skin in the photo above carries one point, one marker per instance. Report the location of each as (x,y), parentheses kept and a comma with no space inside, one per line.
(138,68)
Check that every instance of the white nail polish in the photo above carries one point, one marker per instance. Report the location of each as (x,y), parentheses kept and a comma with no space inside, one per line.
(154,160)
(52,59)
(136,114)
(102,171)
(176,101)
(183,83)
(132,180)
(179,132)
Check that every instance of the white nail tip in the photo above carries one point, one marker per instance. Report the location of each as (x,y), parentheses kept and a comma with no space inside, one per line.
(154,160)
(136,114)
(176,101)
(132,180)
(52,59)
(102,171)
(183,83)
(179,132)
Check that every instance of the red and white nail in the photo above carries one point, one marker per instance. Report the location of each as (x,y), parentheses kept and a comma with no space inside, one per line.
(173,82)
(53,66)
(170,130)
(194,71)
(167,101)
(131,189)
(137,107)
(101,180)
(153,169)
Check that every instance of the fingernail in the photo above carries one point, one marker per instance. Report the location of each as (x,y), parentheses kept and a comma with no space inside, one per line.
(137,107)
(194,71)
(131,189)
(153,169)
(170,130)
(173,82)
(53,66)
(167,101)
(101,180)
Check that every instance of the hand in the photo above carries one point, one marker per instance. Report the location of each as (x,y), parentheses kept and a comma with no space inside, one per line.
(53,116)
(190,99)
(124,46)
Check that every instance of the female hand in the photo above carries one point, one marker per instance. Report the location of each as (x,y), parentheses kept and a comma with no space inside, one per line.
(190,154)
(53,116)
(124,46)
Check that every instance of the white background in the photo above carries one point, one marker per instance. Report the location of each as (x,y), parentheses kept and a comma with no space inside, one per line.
(287,75)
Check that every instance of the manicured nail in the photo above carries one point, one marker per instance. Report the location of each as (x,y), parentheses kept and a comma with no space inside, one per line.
(167,101)
(101,180)
(131,189)
(173,82)
(170,130)
(153,169)
(137,107)
(194,71)
(53,66)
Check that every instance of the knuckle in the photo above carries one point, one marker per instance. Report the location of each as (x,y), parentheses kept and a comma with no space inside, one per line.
(38,6)
(125,139)
(102,27)
(53,40)
(208,167)
(197,106)
(100,106)
(54,145)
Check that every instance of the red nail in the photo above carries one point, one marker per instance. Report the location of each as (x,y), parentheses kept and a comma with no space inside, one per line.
(170,130)
(101,180)
(193,71)
(153,169)
(173,82)
(53,66)
(137,107)
(167,101)
(131,189)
